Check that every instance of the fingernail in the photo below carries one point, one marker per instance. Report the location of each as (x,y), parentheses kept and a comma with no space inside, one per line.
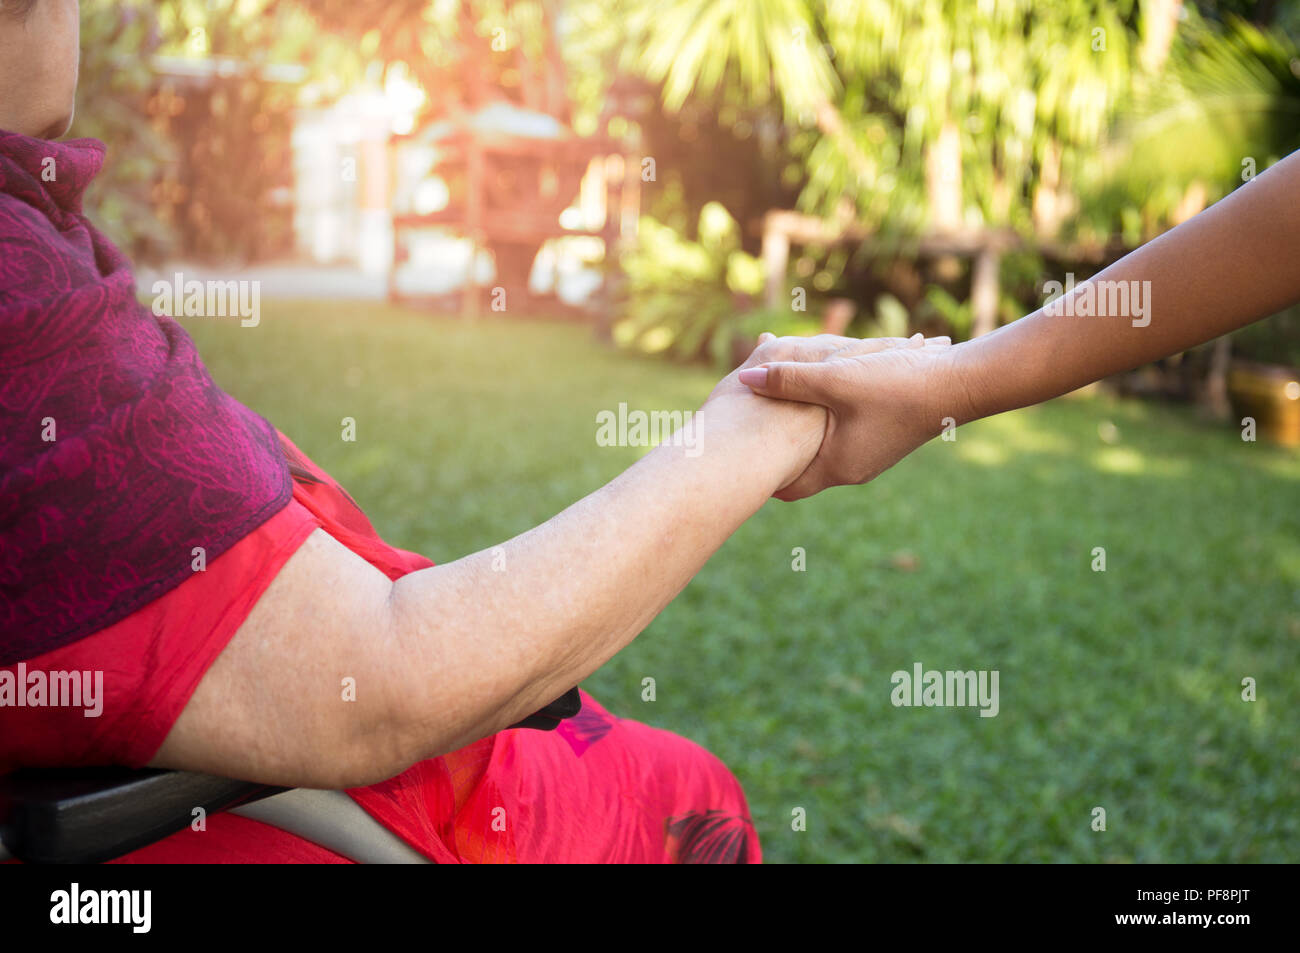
(754,377)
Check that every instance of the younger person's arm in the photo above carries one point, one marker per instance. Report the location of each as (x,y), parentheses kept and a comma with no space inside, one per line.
(1234,263)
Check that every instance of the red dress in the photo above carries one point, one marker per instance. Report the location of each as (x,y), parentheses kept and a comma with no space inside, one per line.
(597,789)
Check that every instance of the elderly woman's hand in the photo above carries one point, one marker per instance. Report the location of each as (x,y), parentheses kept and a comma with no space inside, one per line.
(821,347)
(815,359)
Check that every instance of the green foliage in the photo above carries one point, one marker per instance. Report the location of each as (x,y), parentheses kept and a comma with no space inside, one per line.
(461,51)
(891,320)
(782,322)
(1118,689)
(733,342)
(681,293)
(867,86)
(189,170)
(1227,108)
(834,106)
(1015,79)
(117,40)
(959,315)
(765,47)
(1043,101)
(1273,341)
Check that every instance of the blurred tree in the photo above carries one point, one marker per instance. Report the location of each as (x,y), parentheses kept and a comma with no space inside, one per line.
(194,156)
(1228,107)
(976,115)
(117,40)
(688,293)
(462,52)
(920,115)
(1081,119)
(465,55)
(217,98)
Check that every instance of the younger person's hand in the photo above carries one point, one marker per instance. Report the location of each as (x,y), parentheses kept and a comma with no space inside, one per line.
(882,405)
(822,347)
(792,431)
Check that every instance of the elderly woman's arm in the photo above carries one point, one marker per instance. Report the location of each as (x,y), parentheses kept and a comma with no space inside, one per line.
(450,654)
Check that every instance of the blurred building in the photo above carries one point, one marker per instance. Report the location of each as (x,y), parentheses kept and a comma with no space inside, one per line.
(505,196)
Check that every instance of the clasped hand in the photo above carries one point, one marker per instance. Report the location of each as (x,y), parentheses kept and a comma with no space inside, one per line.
(884,397)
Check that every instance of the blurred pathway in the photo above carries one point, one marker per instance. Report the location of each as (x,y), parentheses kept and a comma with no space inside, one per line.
(277,281)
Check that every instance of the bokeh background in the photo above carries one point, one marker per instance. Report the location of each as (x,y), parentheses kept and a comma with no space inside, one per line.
(475,225)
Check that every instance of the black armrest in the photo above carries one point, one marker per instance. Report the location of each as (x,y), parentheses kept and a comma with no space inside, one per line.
(89,815)
(549,718)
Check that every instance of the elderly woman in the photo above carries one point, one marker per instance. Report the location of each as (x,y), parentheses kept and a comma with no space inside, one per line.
(247,619)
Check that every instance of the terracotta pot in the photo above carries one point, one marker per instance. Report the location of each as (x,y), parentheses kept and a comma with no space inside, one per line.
(1271,394)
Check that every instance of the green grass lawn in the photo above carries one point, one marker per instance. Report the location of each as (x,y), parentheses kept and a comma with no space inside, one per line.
(1118,689)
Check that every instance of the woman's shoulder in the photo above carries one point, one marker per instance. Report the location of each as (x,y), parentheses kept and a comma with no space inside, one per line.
(135,676)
